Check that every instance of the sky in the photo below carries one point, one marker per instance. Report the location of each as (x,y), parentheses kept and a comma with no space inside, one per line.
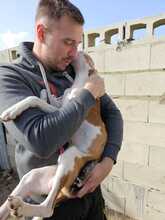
(17,16)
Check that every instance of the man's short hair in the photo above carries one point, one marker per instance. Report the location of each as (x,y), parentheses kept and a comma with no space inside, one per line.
(55,9)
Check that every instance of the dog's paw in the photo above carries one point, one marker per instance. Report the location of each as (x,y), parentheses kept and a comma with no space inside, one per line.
(4,212)
(10,113)
(15,205)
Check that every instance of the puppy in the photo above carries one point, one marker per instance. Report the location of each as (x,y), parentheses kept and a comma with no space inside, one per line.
(55,181)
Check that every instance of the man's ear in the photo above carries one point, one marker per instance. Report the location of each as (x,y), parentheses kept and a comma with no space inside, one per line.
(40,31)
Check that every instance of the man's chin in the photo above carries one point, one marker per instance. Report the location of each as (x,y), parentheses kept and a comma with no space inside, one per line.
(62,67)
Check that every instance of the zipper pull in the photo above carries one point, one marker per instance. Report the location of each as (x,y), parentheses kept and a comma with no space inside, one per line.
(68,76)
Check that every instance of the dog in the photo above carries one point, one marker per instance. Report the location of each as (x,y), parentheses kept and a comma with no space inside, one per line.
(55,181)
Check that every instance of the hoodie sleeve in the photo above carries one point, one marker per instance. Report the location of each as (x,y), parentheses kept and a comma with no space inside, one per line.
(42,133)
(114,125)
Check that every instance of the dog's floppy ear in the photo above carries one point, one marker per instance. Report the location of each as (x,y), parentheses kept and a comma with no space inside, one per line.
(92,72)
(91,64)
(89,61)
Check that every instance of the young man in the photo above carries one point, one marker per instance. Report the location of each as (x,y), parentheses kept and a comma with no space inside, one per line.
(39,135)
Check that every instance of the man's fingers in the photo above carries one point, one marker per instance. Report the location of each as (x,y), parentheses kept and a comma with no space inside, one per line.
(92,189)
(82,191)
(88,187)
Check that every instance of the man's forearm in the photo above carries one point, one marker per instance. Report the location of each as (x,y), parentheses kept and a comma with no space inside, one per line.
(44,132)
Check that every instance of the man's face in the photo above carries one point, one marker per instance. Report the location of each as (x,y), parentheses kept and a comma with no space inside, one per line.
(61,43)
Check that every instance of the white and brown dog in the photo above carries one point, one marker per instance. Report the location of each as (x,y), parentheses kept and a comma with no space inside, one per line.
(87,144)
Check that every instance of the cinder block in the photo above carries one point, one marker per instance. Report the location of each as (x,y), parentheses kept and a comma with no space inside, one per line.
(134,196)
(117,170)
(157,157)
(135,202)
(107,183)
(134,153)
(113,202)
(114,84)
(151,214)
(145,84)
(98,56)
(4,56)
(156,200)
(133,110)
(157,55)
(144,133)
(156,112)
(133,57)
(144,176)
(120,188)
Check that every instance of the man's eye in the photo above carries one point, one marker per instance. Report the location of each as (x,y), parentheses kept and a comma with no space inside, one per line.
(69,43)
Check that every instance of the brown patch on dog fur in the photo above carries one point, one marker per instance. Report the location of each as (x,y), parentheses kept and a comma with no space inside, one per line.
(94,117)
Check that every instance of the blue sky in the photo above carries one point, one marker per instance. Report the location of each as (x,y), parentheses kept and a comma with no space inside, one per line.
(17,16)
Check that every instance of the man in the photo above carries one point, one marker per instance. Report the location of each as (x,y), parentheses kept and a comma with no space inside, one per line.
(39,135)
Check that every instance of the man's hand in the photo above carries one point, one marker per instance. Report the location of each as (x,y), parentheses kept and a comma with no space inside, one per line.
(95,85)
(97,175)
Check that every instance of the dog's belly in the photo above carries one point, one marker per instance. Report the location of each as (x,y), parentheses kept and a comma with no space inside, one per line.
(85,135)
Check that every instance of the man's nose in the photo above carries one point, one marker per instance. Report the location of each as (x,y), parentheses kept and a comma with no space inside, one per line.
(73,52)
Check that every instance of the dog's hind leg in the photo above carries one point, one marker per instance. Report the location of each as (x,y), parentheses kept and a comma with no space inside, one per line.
(65,166)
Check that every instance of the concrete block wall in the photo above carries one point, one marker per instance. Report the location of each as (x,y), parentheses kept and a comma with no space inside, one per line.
(135,78)
(9,55)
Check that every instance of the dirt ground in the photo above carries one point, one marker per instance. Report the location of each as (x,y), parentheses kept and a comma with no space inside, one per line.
(8,180)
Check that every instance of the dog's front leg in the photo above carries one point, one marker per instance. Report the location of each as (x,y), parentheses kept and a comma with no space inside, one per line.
(29,102)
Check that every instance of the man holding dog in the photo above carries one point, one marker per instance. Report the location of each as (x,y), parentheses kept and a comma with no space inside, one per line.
(38,135)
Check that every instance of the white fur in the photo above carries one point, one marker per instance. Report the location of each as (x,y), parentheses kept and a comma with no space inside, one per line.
(85,135)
